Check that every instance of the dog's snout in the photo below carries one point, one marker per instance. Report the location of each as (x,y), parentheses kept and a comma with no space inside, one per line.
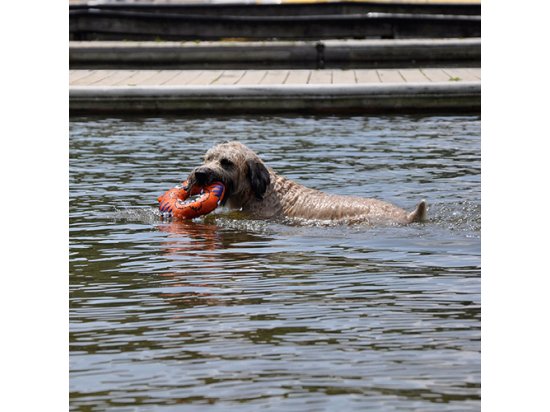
(201,175)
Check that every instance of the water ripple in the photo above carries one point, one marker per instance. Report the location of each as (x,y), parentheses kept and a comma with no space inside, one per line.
(228,313)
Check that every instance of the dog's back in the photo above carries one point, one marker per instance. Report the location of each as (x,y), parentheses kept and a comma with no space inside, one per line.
(286,198)
(254,188)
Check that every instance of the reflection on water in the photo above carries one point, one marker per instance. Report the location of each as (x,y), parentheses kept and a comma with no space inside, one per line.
(235,314)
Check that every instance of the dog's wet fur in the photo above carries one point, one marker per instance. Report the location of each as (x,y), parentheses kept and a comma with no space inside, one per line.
(253,188)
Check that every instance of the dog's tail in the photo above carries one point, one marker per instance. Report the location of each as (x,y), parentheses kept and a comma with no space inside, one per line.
(419,213)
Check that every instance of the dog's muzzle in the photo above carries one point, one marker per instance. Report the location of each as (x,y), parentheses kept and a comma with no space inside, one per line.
(202,176)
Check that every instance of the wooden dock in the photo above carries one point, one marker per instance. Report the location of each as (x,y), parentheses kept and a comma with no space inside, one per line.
(259,91)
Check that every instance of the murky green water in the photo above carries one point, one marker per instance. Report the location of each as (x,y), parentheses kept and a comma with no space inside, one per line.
(225,313)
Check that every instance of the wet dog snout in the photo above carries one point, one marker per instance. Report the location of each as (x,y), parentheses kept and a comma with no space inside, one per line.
(201,175)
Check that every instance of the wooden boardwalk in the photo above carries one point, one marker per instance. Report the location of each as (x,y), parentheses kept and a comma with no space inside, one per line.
(326,91)
(268,77)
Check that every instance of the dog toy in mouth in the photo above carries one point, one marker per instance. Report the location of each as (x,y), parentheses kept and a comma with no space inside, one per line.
(173,202)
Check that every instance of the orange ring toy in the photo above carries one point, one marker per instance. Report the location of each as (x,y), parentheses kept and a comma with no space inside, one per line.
(172,203)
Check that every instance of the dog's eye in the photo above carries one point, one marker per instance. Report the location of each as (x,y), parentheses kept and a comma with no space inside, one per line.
(226,162)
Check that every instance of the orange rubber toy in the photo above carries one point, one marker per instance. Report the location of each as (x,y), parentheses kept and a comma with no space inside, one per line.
(172,203)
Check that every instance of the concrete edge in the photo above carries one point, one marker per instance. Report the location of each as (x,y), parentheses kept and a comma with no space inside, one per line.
(276,90)
(298,52)
(379,98)
(127,45)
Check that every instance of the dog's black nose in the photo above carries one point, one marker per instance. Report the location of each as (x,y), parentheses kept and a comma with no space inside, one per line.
(201,175)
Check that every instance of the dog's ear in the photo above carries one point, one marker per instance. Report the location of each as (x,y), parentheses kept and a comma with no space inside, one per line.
(258,175)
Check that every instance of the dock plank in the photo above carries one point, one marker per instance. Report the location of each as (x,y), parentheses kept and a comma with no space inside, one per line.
(160,78)
(137,78)
(163,91)
(75,75)
(390,76)
(275,77)
(460,74)
(116,77)
(343,76)
(93,78)
(436,75)
(229,77)
(367,76)
(320,77)
(269,77)
(183,78)
(298,77)
(206,77)
(252,77)
(413,75)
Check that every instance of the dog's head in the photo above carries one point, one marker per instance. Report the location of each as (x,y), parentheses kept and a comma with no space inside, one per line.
(240,169)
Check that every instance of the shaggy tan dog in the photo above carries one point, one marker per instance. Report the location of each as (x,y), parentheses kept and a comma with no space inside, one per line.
(250,186)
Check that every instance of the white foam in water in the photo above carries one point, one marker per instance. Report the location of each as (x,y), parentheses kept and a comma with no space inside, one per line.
(465,216)
(137,214)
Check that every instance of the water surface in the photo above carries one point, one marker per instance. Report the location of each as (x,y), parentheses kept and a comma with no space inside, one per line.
(228,313)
